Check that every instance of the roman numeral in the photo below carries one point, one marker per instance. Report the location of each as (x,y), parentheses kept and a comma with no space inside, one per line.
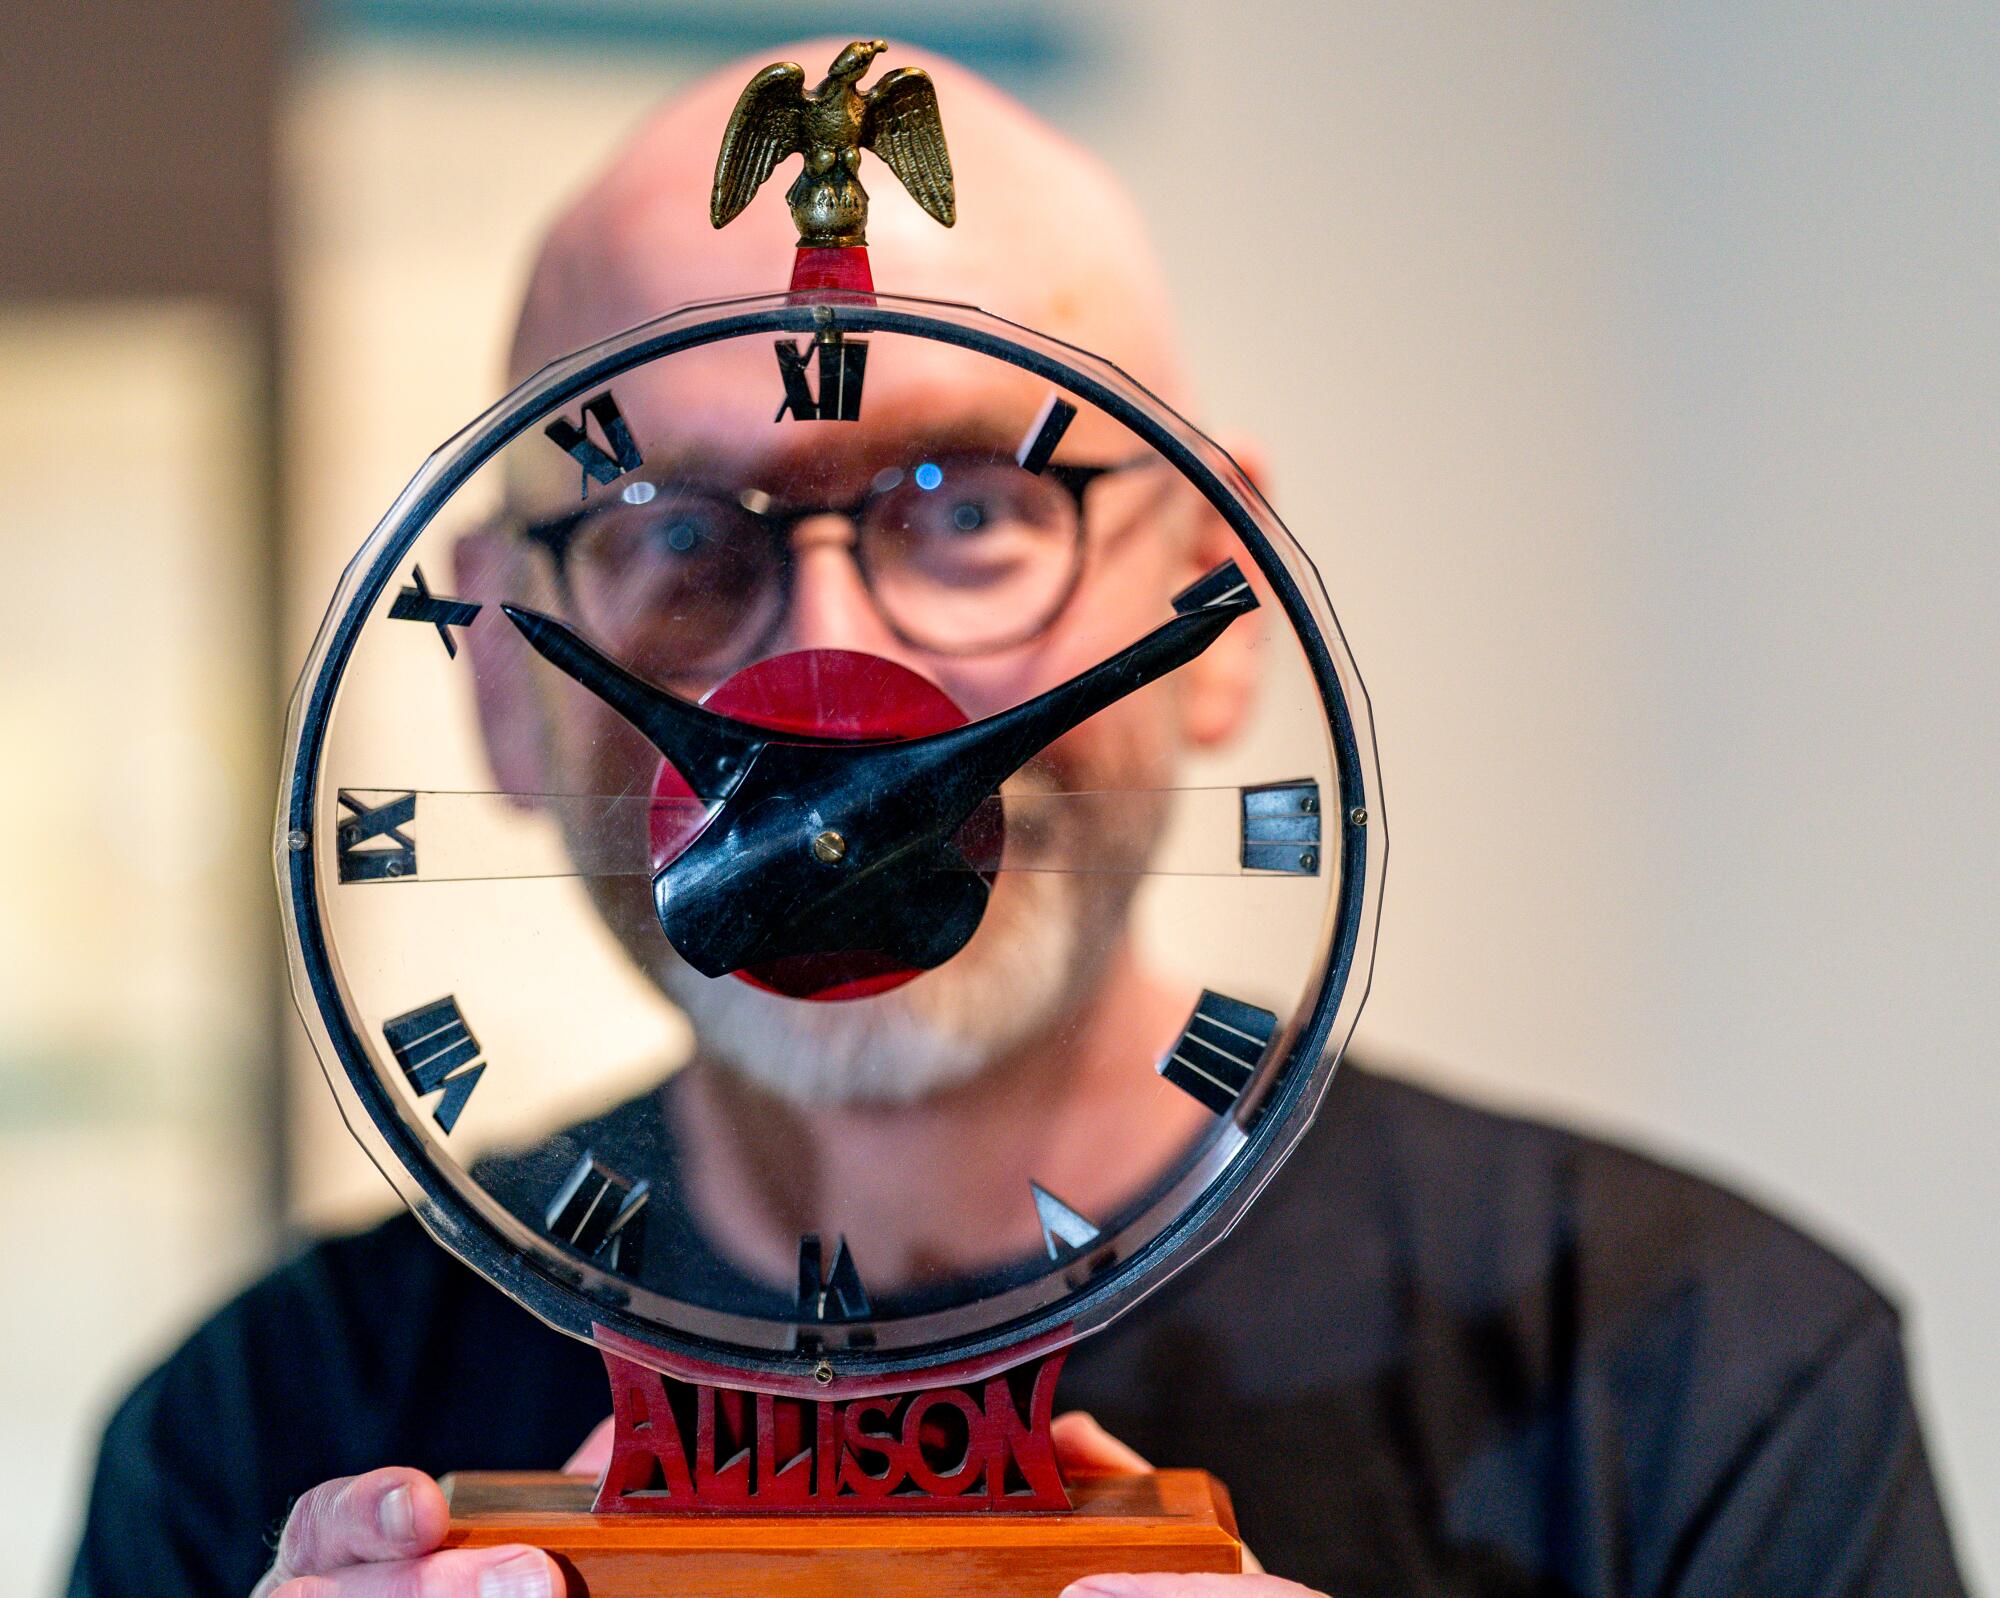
(436,1050)
(1050,424)
(1281,828)
(843,366)
(1218,1053)
(601,1213)
(599,465)
(399,859)
(1063,1230)
(417,603)
(835,1294)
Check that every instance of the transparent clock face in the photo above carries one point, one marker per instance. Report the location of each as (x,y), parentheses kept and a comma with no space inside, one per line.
(829,839)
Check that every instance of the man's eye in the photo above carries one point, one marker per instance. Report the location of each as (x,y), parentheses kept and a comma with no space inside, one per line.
(677,535)
(969,515)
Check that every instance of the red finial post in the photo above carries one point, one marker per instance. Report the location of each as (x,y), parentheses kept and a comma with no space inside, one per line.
(819,269)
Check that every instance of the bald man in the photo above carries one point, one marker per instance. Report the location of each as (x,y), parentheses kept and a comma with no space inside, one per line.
(1446,1353)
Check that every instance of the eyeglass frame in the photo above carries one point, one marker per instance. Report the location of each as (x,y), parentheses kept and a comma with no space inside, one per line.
(779,521)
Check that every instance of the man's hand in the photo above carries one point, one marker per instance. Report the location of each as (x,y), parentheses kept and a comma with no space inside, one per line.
(1162,1585)
(1082,1444)
(375,1536)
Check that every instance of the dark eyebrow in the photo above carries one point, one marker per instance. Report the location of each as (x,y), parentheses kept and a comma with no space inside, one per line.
(987,436)
(671,463)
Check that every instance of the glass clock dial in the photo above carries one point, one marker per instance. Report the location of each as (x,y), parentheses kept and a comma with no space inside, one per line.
(777,722)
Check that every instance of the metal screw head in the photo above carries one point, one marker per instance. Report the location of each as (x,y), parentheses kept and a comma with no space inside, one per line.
(823,1373)
(295,840)
(1309,805)
(1358,816)
(829,848)
(823,315)
(1309,860)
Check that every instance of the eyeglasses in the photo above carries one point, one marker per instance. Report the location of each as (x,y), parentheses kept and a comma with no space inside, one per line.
(961,556)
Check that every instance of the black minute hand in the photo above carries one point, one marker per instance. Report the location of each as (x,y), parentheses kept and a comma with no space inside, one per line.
(984,754)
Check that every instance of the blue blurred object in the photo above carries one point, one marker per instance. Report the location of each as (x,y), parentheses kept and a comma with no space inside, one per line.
(1017,40)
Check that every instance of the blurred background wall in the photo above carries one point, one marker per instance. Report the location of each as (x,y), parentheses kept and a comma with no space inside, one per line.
(1630,373)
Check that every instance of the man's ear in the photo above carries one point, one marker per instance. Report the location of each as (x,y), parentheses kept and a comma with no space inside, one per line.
(485,569)
(1221,685)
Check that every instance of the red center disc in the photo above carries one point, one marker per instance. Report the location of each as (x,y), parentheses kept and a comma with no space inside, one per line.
(830,693)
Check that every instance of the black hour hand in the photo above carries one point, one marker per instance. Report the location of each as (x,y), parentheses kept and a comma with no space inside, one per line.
(711,751)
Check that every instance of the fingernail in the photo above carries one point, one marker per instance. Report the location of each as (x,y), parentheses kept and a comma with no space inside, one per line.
(523,1576)
(397,1515)
(1105,1587)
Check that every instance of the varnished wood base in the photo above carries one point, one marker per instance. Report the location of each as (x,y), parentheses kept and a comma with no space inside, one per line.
(1177,1520)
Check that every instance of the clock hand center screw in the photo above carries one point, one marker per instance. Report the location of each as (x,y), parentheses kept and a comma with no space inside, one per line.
(829,848)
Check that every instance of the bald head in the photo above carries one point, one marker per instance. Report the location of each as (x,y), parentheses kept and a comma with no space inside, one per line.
(1045,236)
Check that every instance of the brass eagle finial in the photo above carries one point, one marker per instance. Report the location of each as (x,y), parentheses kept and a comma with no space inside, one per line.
(831,125)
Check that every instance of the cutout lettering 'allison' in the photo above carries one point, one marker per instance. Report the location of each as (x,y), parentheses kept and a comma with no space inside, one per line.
(416,602)
(1218,1053)
(393,859)
(601,464)
(843,368)
(601,1213)
(437,1052)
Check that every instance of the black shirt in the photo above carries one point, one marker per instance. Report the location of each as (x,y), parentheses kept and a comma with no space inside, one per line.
(1447,1352)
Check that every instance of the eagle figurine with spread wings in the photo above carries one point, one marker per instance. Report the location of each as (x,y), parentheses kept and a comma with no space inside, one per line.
(831,125)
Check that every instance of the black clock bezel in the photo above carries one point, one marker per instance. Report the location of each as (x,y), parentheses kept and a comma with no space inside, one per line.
(1274,1123)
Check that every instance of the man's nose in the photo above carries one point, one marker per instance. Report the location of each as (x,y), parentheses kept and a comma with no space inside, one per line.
(831,607)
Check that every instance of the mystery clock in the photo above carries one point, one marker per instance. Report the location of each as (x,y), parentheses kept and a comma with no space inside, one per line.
(904,698)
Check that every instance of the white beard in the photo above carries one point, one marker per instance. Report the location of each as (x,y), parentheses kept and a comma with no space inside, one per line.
(1058,910)
(1009,985)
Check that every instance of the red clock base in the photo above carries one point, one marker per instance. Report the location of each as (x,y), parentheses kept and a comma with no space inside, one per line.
(1170,1520)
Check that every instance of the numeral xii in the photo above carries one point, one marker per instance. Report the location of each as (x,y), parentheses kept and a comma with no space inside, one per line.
(843,368)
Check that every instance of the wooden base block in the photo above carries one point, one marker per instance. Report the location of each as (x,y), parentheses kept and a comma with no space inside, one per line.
(1178,1520)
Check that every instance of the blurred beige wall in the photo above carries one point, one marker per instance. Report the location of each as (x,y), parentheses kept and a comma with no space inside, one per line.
(1632,381)
(133,948)
(137,927)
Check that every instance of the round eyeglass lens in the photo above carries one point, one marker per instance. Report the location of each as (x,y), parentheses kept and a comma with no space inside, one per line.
(965,555)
